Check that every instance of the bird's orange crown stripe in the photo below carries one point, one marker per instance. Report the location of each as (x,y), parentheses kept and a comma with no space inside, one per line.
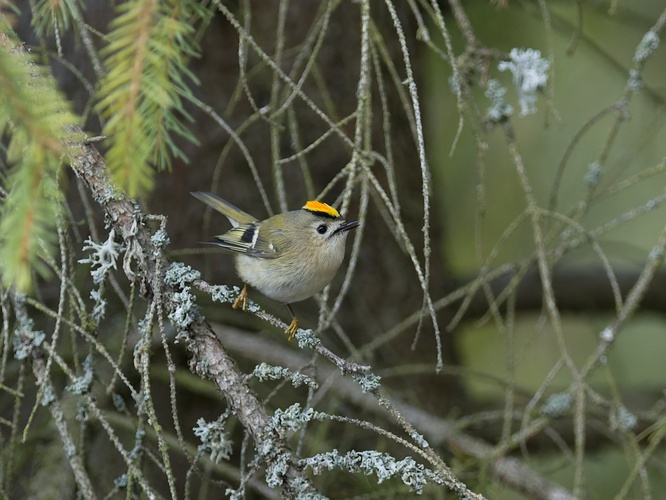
(318,207)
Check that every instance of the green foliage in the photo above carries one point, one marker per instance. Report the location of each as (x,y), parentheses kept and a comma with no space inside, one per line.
(52,15)
(141,95)
(35,118)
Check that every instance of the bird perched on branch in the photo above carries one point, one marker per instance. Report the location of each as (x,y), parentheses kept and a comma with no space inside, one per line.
(288,257)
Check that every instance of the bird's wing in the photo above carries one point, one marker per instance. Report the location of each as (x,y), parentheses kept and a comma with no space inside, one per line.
(245,239)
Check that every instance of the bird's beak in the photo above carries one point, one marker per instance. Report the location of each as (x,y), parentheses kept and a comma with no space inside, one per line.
(346,226)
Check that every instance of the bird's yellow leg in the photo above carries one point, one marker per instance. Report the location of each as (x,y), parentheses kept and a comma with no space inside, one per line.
(241,300)
(293,326)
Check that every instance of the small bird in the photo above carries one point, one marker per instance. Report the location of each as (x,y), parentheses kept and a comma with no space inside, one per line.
(288,257)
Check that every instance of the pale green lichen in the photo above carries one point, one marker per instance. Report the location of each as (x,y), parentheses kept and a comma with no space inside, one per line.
(414,475)
(119,403)
(607,335)
(290,419)
(160,239)
(306,339)
(265,372)
(277,469)
(121,482)
(178,275)
(647,46)
(499,110)
(556,405)
(626,420)
(593,175)
(99,309)
(26,338)
(223,293)
(214,439)
(420,439)
(184,311)
(103,256)
(83,383)
(635,81)
(369,382)
(530,74)
(48,394)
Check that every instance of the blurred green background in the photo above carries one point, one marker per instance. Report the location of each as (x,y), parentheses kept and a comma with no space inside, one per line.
(589,76)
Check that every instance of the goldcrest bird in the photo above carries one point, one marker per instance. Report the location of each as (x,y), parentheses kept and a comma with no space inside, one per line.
(288,257)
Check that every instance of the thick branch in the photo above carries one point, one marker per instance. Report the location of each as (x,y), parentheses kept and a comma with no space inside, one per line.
(583,290)
(209,357)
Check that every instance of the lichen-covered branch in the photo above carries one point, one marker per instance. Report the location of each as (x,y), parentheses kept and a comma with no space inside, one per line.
(209,357)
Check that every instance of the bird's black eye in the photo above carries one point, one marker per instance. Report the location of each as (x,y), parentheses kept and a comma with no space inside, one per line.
(322,229)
